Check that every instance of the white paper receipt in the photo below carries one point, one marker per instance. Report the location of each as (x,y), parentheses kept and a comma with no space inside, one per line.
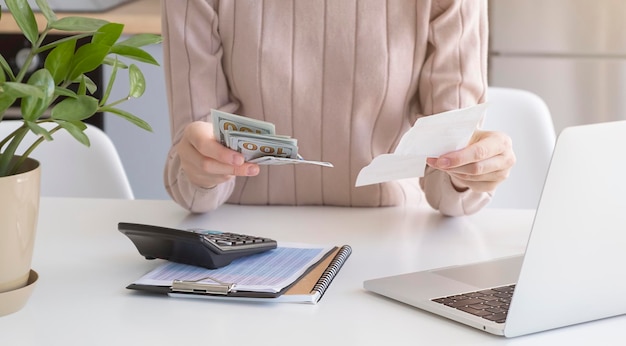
(430,136)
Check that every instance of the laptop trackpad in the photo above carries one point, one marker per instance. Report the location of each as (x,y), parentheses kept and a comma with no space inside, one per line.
(492,273)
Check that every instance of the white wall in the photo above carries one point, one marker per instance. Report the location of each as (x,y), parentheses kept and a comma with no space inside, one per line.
(572,53)
(142,153)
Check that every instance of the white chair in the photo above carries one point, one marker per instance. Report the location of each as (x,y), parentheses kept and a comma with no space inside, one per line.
(525,117)
(70,169)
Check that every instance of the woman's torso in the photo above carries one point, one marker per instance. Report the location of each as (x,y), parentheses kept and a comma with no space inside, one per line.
(339,76)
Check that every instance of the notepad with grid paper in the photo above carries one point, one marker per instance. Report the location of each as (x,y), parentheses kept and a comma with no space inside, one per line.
(291,272)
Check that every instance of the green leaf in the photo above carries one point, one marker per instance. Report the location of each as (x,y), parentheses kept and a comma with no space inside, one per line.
(78,24)
(91,86)
(113,61)
(77,130)
(9,151)
(112,77)
(87,58)
(58,91)
(45,9)
(134,53)
(137,81)
(33,106)
(80,108)
(108,34)
(128,116)
(6,67)
(79,125)
(141,40)
(59,59)
(82,87)
(62,40)
(18,90)
(38,130)
(25,19)
(6,101)
(3,76)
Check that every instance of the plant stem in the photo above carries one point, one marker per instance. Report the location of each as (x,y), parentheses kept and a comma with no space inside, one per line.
(7,155)
(30,150)
(31,55)
(7,138)
(113,104)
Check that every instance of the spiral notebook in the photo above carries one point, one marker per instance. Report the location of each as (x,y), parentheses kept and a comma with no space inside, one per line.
(290,273)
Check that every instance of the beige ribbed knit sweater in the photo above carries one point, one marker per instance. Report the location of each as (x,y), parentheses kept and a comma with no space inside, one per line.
(345,77)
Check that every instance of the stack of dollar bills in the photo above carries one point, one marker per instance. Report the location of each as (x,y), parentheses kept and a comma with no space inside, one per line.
(257,140)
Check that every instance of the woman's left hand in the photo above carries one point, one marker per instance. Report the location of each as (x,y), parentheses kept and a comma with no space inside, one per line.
(482,165)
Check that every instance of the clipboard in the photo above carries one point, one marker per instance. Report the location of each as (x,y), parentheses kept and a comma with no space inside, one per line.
(308,288)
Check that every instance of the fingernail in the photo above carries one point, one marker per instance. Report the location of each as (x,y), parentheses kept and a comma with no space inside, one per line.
(253,170)
(443,163)
(237,160)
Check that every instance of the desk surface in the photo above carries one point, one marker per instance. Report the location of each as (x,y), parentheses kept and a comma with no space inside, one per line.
(84,264)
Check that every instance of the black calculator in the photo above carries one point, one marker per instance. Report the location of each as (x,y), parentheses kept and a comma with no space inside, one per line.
(198,247)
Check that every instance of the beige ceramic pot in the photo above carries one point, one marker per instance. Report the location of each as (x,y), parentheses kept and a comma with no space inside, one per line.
(19,210)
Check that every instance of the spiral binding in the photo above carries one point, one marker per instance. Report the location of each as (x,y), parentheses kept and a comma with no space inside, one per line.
(330,272)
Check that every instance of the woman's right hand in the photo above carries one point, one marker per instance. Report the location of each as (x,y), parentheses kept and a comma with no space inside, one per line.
(205,161)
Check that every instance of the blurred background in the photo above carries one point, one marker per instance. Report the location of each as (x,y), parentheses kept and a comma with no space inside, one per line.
(572,53)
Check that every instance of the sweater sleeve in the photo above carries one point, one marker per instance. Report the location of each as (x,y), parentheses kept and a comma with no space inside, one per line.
(454,76)
(192,53)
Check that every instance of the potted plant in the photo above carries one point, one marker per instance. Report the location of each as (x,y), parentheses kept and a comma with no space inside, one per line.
(61,89)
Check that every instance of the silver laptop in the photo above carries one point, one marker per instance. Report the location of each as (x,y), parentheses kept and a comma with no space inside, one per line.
(573,268)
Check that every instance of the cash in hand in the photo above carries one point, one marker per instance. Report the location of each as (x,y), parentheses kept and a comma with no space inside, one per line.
(257,140)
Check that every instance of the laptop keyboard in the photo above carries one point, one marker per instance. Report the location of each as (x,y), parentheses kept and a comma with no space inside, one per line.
(491,304)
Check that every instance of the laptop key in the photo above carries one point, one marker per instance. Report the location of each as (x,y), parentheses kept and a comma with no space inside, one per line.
(498,318)
(496,310)
(445,301)
(504,289)
(480,306)
(488,298)
(466,302)
(491,304)
(475,312)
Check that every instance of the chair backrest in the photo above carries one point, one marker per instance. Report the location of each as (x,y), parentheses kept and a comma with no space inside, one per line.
(70,169)
(525,117)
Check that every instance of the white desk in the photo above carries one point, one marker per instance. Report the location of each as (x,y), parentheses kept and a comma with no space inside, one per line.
(84,264)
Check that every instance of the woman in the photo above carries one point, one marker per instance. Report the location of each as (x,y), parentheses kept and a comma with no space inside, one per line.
(345,78)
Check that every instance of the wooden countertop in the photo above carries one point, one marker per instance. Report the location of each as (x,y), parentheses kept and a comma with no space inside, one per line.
(138,16)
